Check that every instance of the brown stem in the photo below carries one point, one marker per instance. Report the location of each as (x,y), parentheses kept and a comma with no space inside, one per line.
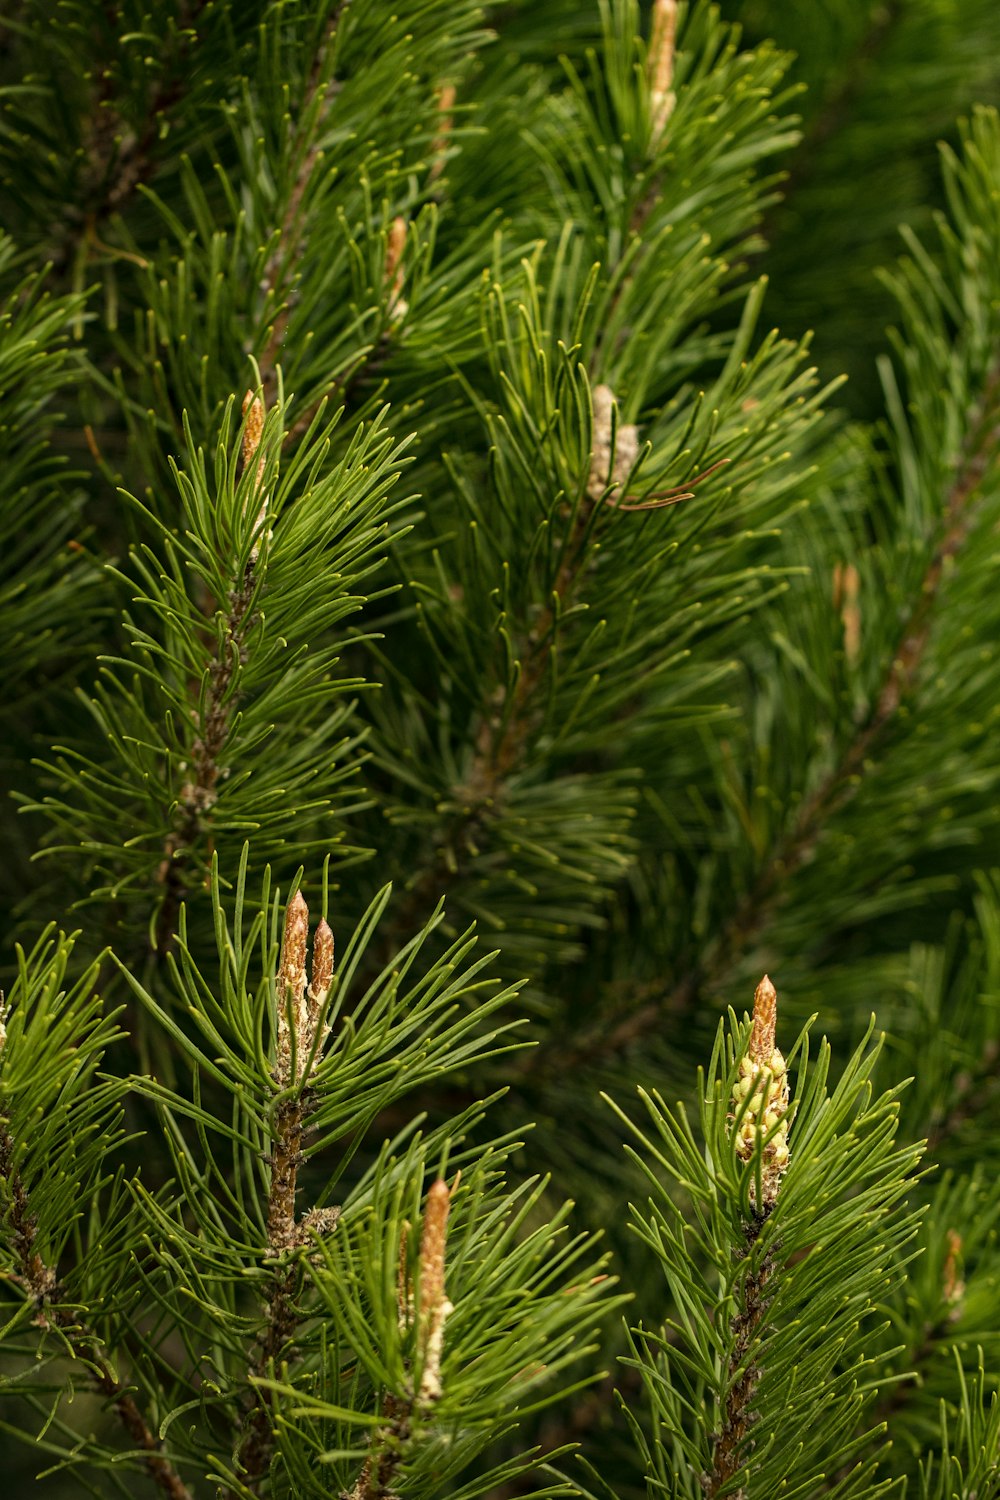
(198,796)
(40,1283)
(753,1298)
(253,1458)
(380,1468)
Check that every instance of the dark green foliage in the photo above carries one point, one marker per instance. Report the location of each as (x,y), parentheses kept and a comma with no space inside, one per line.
(773,1317)
(558,595)
(219,680)
(46,583)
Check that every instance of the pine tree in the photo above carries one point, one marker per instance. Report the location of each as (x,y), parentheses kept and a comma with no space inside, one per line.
(454,645)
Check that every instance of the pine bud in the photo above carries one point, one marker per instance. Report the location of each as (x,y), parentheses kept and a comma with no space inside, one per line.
(765,1022)
(439,146)
(397,306)
(253,413)
(434,1305)
(321,978)
(846,591)
(253,428)
(660,67)
(291,987)
(760,1096)
(322,963)
(952,1285)
(303,1001)
(602,474)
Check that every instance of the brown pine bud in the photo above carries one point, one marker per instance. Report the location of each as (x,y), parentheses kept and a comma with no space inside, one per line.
(765,1018)
(253,412)
(952,1285)
(433,1243)
(291,987)
(397,306)
(319,988)
(434,1305)
(846,593)
(660,67)
(292,968)
(439,146)
(322,964)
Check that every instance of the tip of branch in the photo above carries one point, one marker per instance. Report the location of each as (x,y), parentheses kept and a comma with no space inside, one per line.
(322,961)
(292,971)
(765,1017)
(253,412)
(433,1243)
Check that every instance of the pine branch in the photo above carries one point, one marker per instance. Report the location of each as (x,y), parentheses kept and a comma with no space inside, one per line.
(283,264)
(496,756)
(40,1284)
(198,795)
(215,715)
(299,1016)
(752,1302)
(370,359)
(392,1437)
(833,794)
(257,1444)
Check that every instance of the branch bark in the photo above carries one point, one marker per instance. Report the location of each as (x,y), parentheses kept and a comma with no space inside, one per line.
(299,1030)
(253,1458)
(737,1415)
